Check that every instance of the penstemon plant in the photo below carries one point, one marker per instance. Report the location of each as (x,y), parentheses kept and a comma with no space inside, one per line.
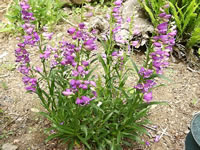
(95,111)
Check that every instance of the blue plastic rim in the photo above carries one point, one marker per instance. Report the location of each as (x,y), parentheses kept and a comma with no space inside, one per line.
(195,128)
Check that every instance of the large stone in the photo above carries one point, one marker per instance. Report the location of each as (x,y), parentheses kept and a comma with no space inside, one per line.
(140,20)
(9,146)
(140,24)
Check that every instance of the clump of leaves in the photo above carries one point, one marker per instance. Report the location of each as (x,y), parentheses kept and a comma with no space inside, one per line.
(46,13)
(186,17)
(152,7)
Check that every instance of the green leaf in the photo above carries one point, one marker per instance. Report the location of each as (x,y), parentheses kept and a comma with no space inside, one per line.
(71,145)
(108,117)
(153,20)
(84,129)
(119,136)
(84,141)
(103,64)
(160,76)
(135,67)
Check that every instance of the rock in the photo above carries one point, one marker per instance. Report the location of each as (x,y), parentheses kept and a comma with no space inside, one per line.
(9,146)
(140,20)
(35,110)
(3,55)
(98,23)
(141,26)
(16,141)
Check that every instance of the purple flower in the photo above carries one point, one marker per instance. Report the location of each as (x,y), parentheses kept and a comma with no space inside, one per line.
(85,63)
(148,97)
(147,143)
(162,15)
(38,69)
(115,53)
(157,44)
(89,42)
(118,2)
(162,26)
(79,101)
(80,69)
(94,93)
(48,35)
(157,138)
(29,30)
(24,70)
(71,30)
(136,32)
(128,20)
(91,47)
(93,83)
(135,43)
(84,87)
(166,5)
(173,33)
(90,14)
(72,82)
(116,10)
(46,54)
(139,86)
(75,73)
(85,99)
(167,16)
(145,73)
(87,82)
(81,25)
(67,92)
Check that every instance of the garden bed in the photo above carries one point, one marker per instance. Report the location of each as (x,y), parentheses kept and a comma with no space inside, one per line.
(20,124)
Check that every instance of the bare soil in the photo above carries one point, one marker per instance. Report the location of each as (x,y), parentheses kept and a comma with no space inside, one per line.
(22,126)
